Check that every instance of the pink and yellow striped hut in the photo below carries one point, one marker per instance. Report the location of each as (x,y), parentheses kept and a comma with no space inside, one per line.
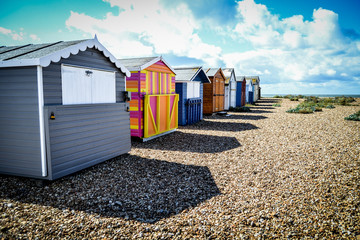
(153,104)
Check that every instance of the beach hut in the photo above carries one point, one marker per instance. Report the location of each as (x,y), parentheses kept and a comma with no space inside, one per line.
(256,83)
(214,91)
(249,91)
(189,85)
(154,103)
(240,91)
(63,108)
(230,88)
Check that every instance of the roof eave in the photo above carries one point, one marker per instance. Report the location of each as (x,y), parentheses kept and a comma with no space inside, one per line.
(20,63)
(65,53)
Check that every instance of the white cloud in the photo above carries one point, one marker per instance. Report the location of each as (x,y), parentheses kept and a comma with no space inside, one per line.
(147,28)
(296,52)
(34,37)
(15,36)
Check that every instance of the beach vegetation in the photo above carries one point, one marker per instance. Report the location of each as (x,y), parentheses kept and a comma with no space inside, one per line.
(353,117)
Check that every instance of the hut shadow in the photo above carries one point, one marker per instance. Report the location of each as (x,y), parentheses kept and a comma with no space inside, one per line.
(244,117)
(255,110)
(190,142)
(263,107)
(130,187)
(267,100)
(221,126)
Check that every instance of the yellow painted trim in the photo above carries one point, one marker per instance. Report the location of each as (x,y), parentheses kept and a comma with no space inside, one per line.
(148,114)
(146,103)
(132,89)
(147,82)
(143,71)
(160,87)
(153,82)
(173,109)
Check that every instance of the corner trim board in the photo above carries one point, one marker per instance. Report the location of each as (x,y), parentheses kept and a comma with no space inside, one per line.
(41,120)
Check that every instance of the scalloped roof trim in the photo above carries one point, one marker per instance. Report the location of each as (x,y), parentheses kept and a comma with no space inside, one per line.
(66,53)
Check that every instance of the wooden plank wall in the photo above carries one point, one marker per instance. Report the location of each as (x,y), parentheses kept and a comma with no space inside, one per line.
(155,79)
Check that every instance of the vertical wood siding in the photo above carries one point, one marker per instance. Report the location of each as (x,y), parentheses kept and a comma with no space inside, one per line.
(155,79)
(181,89)
(214,100)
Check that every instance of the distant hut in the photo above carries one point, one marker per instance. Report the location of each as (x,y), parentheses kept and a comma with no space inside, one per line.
(154,103)
(240,91)
(63,108)
(230,88)
(214,92)
(256,83)
(189,85)
(255,86)
(249,91)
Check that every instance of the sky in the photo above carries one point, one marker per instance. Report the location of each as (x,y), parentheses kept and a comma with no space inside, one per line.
(295,47)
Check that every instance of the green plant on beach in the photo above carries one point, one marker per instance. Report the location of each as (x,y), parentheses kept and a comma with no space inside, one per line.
(353,117)
(276,105)
(345,101)
(303,110)
(291,97)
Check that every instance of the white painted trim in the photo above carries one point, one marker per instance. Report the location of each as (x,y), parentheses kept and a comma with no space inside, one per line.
(85,67)
(149,63)
(41,120)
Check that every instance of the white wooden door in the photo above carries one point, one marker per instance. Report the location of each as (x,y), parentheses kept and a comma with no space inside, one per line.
(227,97)
(87,86)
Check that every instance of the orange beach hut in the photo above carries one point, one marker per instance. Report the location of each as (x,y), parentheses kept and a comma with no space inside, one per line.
(153,101)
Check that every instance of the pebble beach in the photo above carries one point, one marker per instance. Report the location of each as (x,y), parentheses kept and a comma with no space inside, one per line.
(264,174)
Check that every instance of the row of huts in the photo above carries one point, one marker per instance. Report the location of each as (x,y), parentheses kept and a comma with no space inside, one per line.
(66,106)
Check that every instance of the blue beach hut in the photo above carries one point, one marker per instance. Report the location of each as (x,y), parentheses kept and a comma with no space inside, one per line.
(189,85)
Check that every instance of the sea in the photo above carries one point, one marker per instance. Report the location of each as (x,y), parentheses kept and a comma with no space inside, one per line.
(316,95)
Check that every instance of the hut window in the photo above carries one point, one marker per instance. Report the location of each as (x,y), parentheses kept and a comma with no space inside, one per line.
(87,86)
(193,90)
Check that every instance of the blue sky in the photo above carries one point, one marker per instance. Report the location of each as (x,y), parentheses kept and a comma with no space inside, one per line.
(308,46)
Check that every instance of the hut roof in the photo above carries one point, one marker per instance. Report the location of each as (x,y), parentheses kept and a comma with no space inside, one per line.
(190,73)
(227,73)
(138,64)
(255,79)
(44,54)
(212,72)
(240,78)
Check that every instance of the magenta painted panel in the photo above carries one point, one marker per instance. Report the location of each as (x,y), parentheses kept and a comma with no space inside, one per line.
(135,133)
(153,105)
(151,82)
(134,95)
(160,63)
(136,114)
